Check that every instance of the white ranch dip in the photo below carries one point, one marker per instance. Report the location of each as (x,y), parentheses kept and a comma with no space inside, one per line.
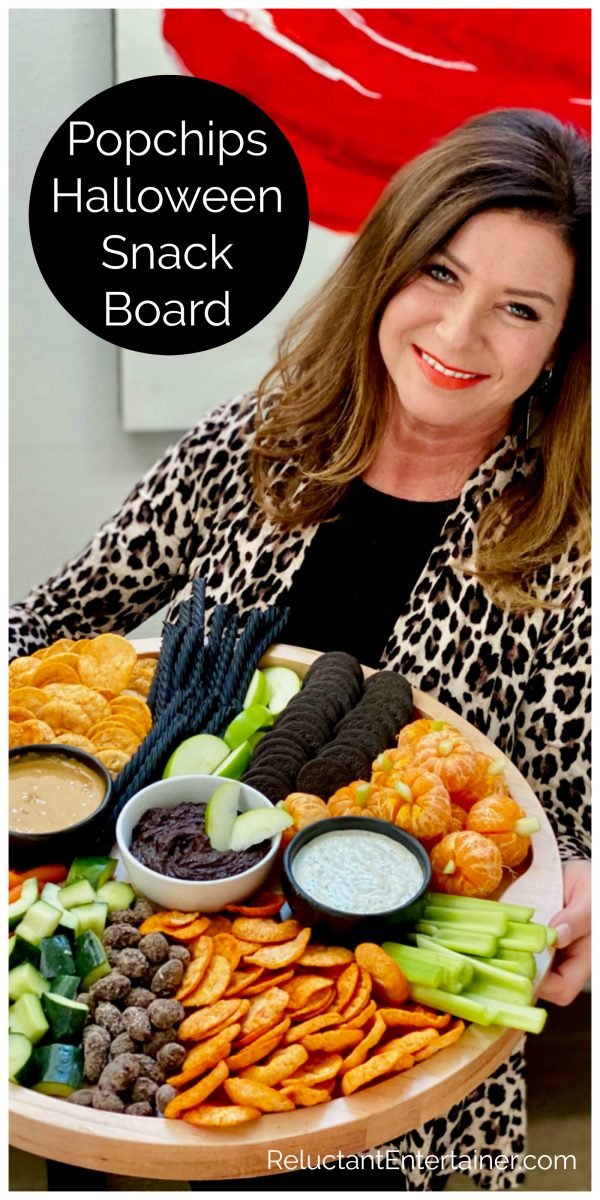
(356,871)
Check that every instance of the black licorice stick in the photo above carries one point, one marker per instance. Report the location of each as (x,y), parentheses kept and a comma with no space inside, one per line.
(261,631)
(192,643)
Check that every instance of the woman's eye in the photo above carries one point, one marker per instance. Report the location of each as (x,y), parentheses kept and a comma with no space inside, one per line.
(440,273)
(523,311)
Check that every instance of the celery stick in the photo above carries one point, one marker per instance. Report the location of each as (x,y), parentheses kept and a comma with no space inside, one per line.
(488,989)
(511,965)
(514,912)
(487,922)
(469,1010)
(417,970)
(464,942)
(524,957)
(451,975)
(524,936)
(551,935)
(485,971)
(512,1016)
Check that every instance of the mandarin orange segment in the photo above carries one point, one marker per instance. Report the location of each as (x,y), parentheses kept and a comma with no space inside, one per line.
(422,807)
(448,754)
(466,864)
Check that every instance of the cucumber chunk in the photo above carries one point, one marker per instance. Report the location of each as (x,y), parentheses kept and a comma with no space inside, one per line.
(90,960)
(17,910)
(58,1069)
(91,916)
(20,951)
(97,871)
(25,978)
(27,1017)
(65,1017)
(39,922)
(56,957)
(20,1051)
(80,892)
(116,895)
(66,985)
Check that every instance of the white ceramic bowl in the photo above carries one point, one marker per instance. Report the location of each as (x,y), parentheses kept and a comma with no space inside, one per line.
(189,894)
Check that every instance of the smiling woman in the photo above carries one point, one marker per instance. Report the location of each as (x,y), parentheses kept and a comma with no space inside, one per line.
(412,482)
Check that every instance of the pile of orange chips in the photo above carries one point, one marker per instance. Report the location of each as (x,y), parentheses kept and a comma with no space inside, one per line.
(89,693)
(277,1023)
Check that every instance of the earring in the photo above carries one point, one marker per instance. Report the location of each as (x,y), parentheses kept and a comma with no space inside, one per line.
(538,392)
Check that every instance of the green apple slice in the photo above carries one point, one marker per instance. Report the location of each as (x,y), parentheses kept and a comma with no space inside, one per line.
(198,755)
(221,815)
(257,824)
(257,737)
(258,691)
(236,763)
(282,684)
(246,723)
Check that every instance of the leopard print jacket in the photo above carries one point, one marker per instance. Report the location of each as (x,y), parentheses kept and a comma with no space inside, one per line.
(520,678)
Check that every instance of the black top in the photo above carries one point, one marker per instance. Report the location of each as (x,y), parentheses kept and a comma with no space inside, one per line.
(359,571)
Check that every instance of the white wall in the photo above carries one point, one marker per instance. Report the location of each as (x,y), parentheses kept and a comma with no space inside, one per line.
(71,464)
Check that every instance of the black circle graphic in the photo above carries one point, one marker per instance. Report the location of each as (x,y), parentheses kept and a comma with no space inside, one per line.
(169,214)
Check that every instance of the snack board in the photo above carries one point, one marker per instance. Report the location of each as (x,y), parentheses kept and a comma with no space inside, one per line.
(165,1149)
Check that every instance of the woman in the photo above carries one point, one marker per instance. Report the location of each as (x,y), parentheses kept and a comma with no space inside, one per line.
(413,480)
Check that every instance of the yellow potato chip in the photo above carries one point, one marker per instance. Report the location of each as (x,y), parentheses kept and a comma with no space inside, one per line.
(388,1060)
(259,1048)
(40,653)
(75,739)
(22,670)
(135,707)
(206,1055)
(17,713)
(280,1065)
(118,738)
(282,954)
(62,646)
(63,659)
(213,984)
(108,662)
(53,671)
(257,1095)
(79,646)
(207,1020)
(220,1116)
(332,1039)
(195,1095)
(62,715)
(263,929)
(92,703)
(28,697)
(114,760)
(28,733)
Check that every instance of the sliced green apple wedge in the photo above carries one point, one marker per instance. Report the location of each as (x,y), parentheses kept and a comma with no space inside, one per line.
(282,683)
(236,763)
(198,755)
(257,824)
(258,691)
(246,723)
(221,815)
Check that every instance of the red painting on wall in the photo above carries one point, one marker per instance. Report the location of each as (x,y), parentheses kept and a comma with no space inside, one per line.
(360,91)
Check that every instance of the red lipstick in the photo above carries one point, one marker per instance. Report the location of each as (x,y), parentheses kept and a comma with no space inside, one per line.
(436,375)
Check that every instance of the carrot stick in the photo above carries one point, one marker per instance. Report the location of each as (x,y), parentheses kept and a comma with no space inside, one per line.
(51,873)
(14,877)
(14,892)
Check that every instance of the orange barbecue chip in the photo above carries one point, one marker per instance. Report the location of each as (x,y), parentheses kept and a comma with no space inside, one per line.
(312,1025)
(332,1039)
(266,904)
(240,980)
(176,919)
(303,988)
(184,933)
(229,947)
(206,1021)
(265,1011)
(318,1069)
(276,980)
(362,1018)
(262,929)
(220,1116)
(414,1041)
(389,982)
(257,1095)
(280,955)
(259,1048)
(218,925)
(362,1048)
(388,1060)
(280,1065)
(208,1054)
(326,956)
(414,1018)
(346,985)
(195,1095)
(213,984)
(195,970)
(445,1039)
(321,1002)
(361,997)
(304,1096)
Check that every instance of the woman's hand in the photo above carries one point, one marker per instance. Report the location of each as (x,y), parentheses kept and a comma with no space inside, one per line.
(572,964)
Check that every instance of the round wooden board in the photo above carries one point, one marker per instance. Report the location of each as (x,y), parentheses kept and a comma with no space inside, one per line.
(160,1149)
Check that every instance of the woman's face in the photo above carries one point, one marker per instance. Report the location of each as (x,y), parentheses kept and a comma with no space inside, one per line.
(473,331)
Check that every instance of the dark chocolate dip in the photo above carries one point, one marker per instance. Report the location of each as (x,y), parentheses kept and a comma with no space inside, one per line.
(172,841)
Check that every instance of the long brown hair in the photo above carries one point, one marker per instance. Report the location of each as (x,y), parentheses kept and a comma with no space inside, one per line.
(324,406)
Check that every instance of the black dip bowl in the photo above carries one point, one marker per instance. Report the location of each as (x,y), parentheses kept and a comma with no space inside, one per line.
(61,845)
(354,927)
